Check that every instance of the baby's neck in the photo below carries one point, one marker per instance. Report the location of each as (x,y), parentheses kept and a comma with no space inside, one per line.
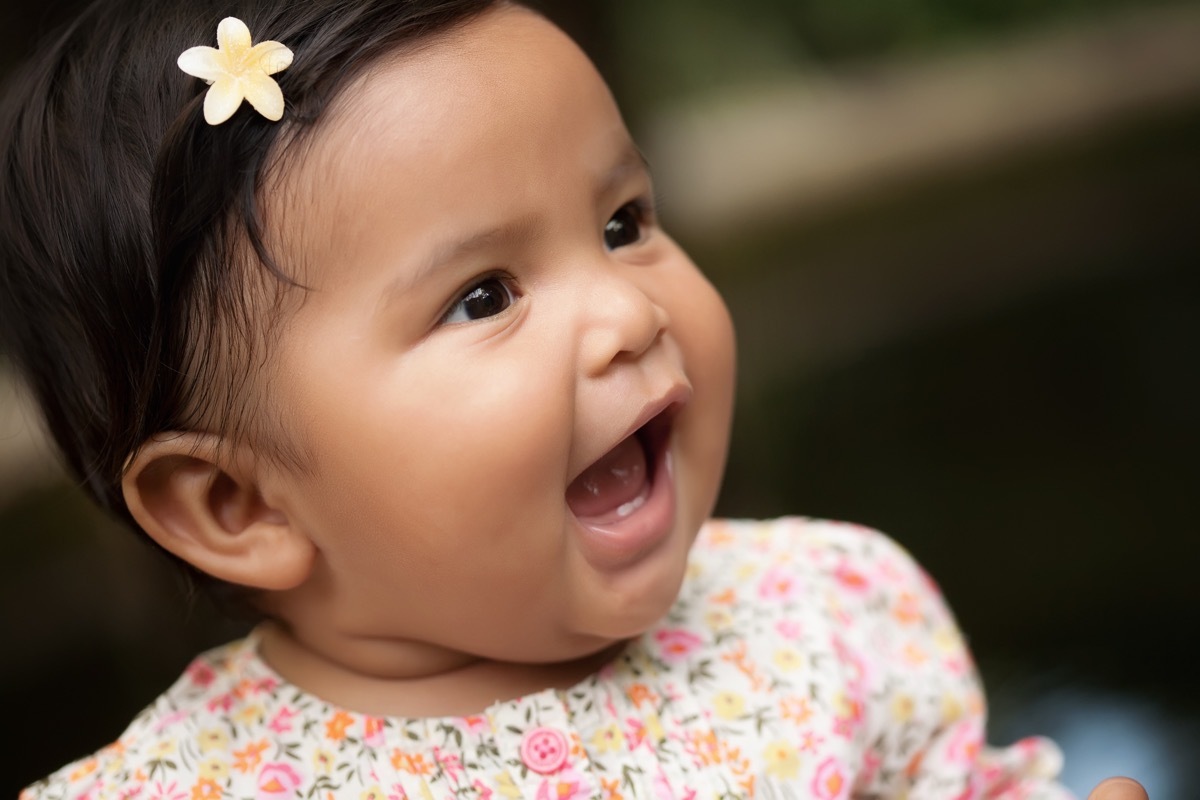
(454,687)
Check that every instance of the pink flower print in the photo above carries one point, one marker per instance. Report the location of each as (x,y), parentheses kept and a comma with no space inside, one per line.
(475,724)
(966,739)
(170,791)
(277,780)
(373,732)
(830,781)
(282,721)
(200,673)
(851,578)
(450,763)
(788,628)
(484,792)
(398,792)
(778,584)
(676,643)
(566,785)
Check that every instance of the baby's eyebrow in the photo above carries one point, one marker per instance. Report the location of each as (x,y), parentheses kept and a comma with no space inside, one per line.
(512,230)
(631,161)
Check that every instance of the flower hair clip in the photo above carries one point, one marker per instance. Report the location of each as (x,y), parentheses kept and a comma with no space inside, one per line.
(236,70)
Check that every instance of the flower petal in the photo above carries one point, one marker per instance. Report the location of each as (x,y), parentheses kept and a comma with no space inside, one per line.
(233,37)
(264,94)
(270,57)
(202,62)
(223,98)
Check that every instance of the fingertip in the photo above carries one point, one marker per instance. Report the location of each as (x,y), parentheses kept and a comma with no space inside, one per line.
(1118,788)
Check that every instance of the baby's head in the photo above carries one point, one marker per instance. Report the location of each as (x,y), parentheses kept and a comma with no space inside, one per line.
(415,363)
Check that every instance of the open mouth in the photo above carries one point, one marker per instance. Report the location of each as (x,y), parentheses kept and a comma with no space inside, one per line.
(625,501)
(620,481)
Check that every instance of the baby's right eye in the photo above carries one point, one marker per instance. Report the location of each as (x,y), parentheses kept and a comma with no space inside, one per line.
(487,298)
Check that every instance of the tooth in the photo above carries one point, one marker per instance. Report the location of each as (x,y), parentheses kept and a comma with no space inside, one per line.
(625,509)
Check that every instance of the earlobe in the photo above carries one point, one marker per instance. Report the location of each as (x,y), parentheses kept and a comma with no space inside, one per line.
(200,500)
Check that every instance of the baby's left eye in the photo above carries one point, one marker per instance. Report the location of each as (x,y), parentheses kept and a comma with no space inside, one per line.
(624,227)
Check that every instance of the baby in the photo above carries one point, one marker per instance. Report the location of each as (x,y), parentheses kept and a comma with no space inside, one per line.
(371,326)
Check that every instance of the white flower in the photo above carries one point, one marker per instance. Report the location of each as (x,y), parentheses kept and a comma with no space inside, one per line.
(237,71)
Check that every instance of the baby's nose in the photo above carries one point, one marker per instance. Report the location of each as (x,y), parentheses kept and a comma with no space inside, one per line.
(622,320)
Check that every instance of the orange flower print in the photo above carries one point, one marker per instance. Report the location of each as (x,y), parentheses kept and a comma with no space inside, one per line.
(247,759)
(611,789)
(639,693)
(206,789)
(830,781)
(335,727)
(85,769)
(906,610)
(412,763)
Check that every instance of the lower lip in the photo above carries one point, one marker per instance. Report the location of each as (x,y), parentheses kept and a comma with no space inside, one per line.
(615,544)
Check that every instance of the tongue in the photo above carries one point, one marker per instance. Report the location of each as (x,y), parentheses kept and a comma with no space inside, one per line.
(617,478)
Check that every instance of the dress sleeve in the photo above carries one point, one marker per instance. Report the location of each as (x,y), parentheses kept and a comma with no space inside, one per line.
(922,702)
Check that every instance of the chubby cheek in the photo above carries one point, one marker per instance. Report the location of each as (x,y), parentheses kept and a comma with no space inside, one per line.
(440,471)
(706,337)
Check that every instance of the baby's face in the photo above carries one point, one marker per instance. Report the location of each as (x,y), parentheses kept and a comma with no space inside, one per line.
(515,388)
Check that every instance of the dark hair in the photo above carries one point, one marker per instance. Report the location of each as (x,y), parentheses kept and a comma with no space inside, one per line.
(130,228)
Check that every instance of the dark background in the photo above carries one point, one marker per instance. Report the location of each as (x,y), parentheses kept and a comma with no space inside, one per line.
(991,356)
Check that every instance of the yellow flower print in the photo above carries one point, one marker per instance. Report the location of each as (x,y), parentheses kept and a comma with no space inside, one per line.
(238,70)
(952,709)
(250,714)
(948,640)
(902,707)
(608,739)
(506,787)
(322,761)
(746,571)
(729,705)
(718,619)
(693,571)
(783,761)
(211,739)
(373,793)
(787,659)
(164,748)
(654,728)
(215,768)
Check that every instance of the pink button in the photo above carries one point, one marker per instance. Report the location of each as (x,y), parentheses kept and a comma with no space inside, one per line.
(544,750)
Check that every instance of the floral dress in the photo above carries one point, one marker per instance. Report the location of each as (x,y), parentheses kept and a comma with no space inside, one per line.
(803,659)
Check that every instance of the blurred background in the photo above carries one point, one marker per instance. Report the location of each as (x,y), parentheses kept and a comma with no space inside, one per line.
(961,243)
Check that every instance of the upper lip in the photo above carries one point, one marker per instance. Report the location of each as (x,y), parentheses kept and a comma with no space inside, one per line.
(671,400)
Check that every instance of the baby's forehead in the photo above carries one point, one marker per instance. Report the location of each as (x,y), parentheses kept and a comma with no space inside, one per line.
(507,88)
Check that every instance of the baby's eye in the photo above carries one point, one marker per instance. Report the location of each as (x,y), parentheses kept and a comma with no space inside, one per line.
(485,299)
(625,226)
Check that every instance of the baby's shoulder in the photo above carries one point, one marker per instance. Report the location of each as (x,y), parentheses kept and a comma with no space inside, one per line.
(165,744)
(800,544)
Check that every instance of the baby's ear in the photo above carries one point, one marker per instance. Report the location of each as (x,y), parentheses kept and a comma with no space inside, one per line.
(199,499)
